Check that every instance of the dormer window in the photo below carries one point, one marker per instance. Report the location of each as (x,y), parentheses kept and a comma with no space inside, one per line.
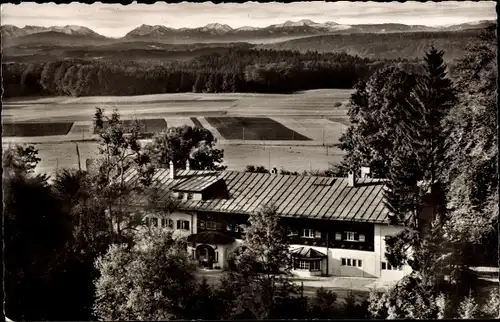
(180,195)
(190,195)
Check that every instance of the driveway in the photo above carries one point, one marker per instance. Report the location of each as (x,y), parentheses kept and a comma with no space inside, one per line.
(343,286)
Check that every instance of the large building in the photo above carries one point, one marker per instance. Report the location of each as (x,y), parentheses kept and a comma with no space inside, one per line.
(336,226)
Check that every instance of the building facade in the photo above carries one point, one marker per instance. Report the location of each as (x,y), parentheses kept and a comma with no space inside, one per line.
(335,226)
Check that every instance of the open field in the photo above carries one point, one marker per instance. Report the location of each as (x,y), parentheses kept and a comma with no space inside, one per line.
(315,103)
(253,128)
(35,129)
(147,127)
(303,114)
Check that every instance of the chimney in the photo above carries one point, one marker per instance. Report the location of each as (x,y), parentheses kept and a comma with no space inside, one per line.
(187,165)
(365,172)
(172,170)
(351,179)
(274,170)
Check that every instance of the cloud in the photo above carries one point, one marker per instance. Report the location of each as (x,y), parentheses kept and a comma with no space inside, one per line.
(116,19)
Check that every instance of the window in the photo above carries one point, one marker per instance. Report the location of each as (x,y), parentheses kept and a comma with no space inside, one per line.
(338,236)
(202,224)
(389,267)
(211,225)
(350,236)
(361,238)
(308,265)
(183,224)
(230,227)
(154,222)
(317,234)
(163,222)
(147,221)
(315,266)
(352,262)
(308,233)
(236,227)
(190,195)
(180,195)
(217,256)
(171,224)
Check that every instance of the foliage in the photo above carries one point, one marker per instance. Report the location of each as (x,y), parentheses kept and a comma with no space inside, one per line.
(473,153)
(256,169)
(257,288)
(19,160)
(150,281)
(468,308)
(492,306)
(186,143)
(232,70)
(119,150)
(322,305)
(409,298)
(375,108)
(265,241)
(35,233)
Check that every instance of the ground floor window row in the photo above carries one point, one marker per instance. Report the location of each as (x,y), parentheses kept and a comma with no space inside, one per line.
(308,265)
(352,262)
(388,267)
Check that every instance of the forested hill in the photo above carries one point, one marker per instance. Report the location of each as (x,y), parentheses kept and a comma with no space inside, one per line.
(407,45)
(239,70)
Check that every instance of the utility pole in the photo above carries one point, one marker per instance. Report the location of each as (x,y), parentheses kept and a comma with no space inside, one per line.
(269,161)
(78,155)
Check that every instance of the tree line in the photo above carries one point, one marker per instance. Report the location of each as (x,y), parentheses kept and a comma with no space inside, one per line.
(435,140)
(239,70)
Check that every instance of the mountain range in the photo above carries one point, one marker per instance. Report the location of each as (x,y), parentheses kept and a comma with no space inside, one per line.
(13,35)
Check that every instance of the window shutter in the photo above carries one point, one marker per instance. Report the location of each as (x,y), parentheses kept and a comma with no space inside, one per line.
(171,223)
(361,237)
(360,263)
(317,234)
(178,224)
(343,262)
(187,225)
(338,236)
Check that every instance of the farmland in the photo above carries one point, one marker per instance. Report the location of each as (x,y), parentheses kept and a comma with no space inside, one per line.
(290,131)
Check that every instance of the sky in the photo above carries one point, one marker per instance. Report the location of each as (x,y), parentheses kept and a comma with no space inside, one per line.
(115,20)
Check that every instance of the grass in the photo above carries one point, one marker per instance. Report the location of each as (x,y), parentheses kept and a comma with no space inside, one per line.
(147,127)
(36,129)
(254,128)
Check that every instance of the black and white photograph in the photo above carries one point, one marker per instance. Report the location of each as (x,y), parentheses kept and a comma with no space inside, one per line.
(250,161)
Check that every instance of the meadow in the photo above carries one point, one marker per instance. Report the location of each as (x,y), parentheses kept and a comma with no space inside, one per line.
(295,131)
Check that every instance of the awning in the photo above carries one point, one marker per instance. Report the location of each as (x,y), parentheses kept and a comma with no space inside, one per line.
(211,237)
(307,253)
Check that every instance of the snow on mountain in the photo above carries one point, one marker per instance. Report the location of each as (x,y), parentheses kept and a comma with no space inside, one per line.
(218,27)
(73,30)
(247,28)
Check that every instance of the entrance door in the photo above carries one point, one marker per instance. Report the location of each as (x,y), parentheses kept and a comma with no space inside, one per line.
(205,255)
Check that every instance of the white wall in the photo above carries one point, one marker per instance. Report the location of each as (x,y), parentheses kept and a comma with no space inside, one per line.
(388,275)
(174,216)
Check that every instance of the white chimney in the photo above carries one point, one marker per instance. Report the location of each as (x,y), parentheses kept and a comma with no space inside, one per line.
(274,170)
(365,172)
(187,165)
(351,179)
(172,170)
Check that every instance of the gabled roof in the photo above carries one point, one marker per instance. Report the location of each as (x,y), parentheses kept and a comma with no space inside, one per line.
(307,253)
(323,198)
